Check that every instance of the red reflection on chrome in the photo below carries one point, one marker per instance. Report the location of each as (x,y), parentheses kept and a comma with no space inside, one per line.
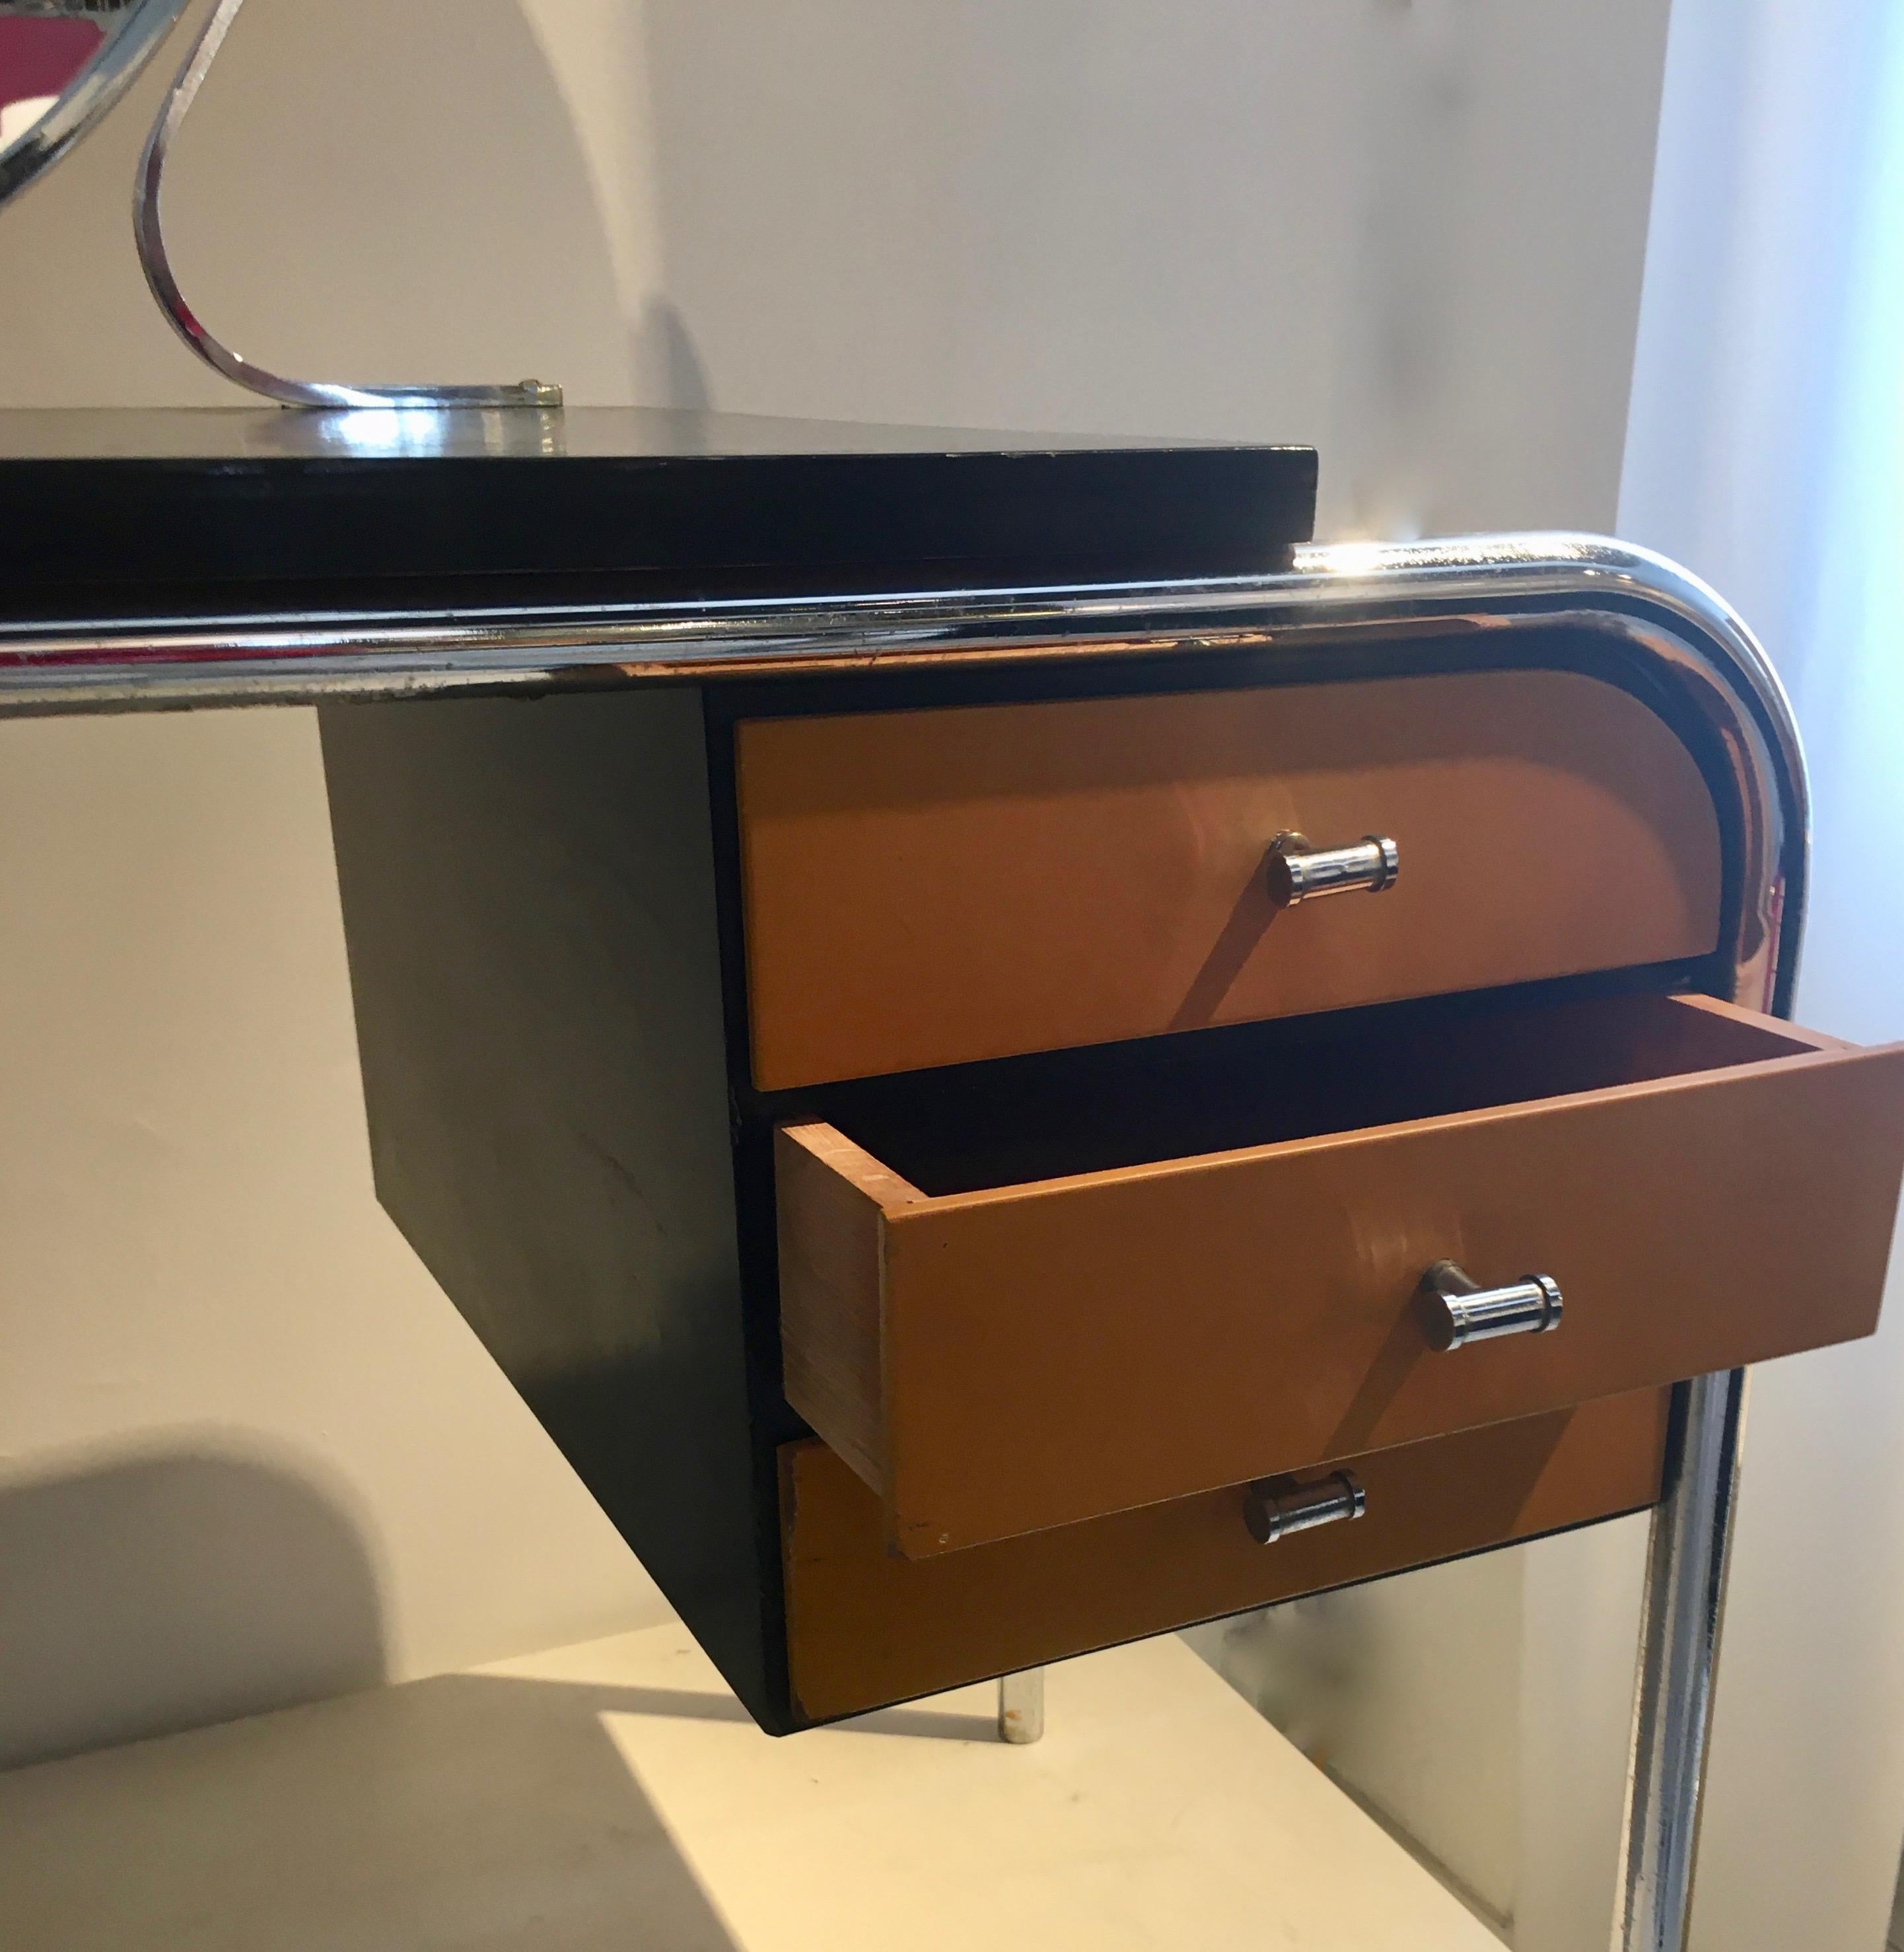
(39,57)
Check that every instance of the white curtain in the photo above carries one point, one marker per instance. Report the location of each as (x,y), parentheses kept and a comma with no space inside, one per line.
(1766,451)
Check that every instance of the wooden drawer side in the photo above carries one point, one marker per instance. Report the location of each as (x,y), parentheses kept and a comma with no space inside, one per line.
(832,1198)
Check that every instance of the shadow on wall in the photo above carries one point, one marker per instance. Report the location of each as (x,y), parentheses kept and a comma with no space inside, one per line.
(179,1585)
(665,361)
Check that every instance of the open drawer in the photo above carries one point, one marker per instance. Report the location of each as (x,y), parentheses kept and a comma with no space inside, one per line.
(1042,1294)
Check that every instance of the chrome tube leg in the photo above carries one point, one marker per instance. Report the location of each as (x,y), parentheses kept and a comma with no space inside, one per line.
(1021,1706)
(1685,1578)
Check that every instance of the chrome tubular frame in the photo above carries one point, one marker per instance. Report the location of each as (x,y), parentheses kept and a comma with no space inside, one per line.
(1666,619)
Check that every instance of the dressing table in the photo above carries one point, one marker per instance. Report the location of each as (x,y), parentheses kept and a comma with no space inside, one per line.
(1008,1055)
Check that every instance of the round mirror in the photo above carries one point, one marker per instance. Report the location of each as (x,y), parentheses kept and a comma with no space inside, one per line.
(63,64)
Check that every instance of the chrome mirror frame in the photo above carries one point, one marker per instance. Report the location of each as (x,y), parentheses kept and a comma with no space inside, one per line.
(149,233)
(143,25)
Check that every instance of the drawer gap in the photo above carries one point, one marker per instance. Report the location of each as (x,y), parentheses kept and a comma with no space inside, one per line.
(1138,1105)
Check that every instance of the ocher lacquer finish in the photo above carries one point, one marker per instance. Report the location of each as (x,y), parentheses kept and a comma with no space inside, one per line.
(935,887)
(1032,1355)
(866,1627)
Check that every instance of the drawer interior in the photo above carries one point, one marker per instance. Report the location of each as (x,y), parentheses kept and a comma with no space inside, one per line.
(970,1129)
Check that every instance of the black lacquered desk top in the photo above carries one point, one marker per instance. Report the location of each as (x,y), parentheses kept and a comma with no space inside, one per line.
(109,511)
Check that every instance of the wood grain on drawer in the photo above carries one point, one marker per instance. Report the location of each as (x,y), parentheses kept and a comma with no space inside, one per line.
(1709,1188)
(935,887)
(866,1627)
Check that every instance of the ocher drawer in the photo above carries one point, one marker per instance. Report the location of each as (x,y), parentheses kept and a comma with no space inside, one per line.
(927,888)
(1024,1304)
(864,1627)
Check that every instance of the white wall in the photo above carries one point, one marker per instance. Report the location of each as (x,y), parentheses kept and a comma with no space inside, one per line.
(1411,234)
(1767,451)
(247,1451)
(1407,1691)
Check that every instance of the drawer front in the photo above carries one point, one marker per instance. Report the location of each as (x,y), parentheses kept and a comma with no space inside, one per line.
(866,1628)
(927,888)
(998,1362)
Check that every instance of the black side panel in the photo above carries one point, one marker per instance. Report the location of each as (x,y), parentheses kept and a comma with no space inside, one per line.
(528,896)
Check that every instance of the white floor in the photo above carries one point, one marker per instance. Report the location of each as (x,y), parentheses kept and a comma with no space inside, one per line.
(613,1795)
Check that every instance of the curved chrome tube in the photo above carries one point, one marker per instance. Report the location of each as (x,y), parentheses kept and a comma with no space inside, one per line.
(1671,624)
(1328,583)
(149,233)
(113,70)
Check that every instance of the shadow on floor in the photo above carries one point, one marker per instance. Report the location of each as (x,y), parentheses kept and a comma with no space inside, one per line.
(160,1592)
(469,1811)
(686,1704)
(462,1812)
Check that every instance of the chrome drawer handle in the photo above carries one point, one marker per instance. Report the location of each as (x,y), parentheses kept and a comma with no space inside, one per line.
(1456,1309)
(1273,1508)
(1298,871)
